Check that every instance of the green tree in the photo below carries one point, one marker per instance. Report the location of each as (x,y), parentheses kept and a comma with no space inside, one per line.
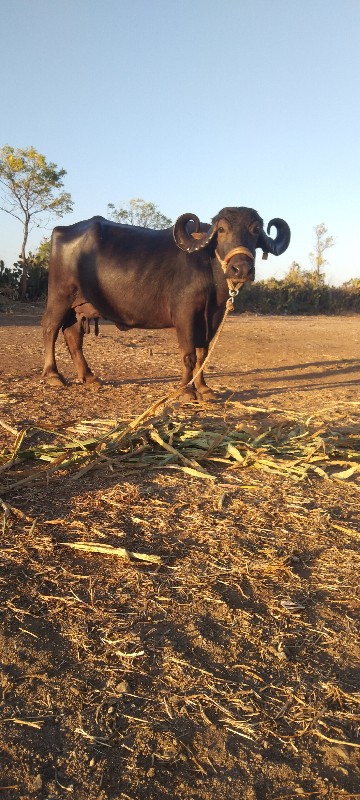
(317,257)
(30,186)
(139,212)
(42,254)
(295,275)
(37,265)
(353,285)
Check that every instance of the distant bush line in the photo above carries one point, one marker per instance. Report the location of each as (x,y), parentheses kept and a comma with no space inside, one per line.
(279,297)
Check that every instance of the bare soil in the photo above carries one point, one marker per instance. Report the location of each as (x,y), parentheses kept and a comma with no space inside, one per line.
(229,669)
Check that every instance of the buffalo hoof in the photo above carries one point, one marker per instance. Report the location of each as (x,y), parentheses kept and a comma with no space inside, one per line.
(56,381)
(206,395)
(92,382)
(187,395)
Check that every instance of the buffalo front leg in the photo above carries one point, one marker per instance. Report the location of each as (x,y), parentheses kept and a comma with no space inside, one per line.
(74,336)
(203,391)
(188,361)
(203,338)
(194,348)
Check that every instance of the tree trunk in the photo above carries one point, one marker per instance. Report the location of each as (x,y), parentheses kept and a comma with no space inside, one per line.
(23,285)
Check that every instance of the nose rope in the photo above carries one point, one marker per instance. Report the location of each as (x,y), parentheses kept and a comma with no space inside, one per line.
(224,262)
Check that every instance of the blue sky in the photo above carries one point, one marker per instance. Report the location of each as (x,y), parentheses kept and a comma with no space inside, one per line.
(193,105)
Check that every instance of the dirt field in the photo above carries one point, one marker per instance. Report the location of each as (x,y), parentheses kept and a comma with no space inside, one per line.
(223,661)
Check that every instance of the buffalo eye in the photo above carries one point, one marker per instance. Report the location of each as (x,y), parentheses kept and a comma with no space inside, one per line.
(255,228)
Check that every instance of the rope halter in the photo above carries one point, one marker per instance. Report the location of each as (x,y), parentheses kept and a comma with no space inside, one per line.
(224,262)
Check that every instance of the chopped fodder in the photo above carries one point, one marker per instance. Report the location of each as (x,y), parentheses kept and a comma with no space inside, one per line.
(181,613)
(284,444)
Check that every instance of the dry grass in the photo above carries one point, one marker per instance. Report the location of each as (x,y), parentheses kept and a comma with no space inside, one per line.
(184,630)
(290,446)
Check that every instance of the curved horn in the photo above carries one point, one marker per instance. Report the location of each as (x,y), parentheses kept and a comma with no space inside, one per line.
(280,243)
(187,241)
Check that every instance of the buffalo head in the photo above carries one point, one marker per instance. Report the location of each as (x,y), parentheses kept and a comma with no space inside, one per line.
(233,237)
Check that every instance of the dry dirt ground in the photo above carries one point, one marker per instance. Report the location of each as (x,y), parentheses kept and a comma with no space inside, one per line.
(226,667)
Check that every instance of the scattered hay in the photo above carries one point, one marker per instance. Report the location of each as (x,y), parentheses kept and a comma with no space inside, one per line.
(221,634)
(107,550)
(290,446)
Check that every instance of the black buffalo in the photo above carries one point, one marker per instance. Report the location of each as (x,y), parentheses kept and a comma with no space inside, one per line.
(142,278)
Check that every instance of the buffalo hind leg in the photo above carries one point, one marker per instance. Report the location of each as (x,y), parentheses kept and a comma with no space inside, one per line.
(51,324)
(74,335)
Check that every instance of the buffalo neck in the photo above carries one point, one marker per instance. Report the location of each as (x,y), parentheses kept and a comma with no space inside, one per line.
(220,282)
